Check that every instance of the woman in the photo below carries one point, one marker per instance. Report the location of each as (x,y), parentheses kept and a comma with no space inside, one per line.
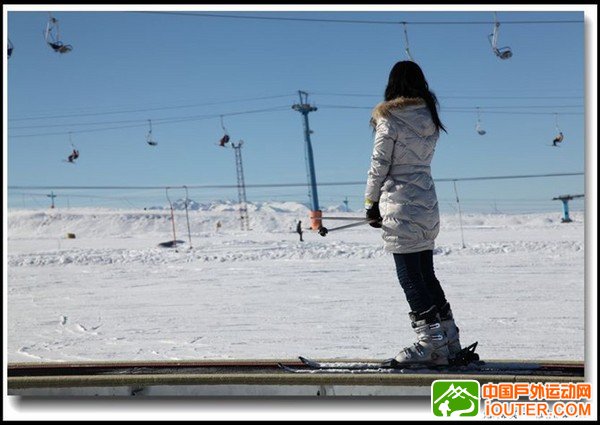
(400,198)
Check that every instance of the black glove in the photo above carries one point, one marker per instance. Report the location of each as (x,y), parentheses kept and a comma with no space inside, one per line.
(374,214)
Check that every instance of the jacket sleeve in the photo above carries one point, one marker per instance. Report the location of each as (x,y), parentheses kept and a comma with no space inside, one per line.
(381,160)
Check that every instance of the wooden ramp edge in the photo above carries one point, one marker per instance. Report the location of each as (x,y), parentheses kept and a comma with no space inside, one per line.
(258,377)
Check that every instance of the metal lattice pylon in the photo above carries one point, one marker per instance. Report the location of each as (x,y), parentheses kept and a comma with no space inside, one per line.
(241,185)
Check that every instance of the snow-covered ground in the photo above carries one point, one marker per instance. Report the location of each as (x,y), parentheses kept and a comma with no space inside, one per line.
(112,294)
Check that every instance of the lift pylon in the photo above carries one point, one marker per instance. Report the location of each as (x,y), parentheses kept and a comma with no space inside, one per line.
(565,201)
(304,108)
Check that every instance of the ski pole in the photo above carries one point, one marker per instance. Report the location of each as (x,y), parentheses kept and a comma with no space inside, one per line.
(324,230)
(342,218)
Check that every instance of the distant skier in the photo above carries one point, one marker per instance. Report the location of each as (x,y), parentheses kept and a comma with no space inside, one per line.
(59,47)
(224,140)
(299,230)
(218,225)
(557,139)
(74,155)
(406,126)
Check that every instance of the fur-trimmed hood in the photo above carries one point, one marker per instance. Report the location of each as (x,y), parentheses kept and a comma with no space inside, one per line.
(384,109)
(410,111)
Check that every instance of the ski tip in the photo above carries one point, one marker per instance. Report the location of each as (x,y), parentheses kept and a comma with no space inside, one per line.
(285,368)
(308,362)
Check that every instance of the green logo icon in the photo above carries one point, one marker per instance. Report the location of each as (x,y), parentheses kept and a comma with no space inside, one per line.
(455,398)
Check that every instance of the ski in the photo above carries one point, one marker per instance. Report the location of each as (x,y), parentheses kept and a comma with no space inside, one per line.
(464,359)
(313,364)
(338,369)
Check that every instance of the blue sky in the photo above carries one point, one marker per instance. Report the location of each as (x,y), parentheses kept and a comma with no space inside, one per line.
(126,68)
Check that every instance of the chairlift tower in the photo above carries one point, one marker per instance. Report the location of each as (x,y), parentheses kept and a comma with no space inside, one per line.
(304,108)
(241,185)
(52,196)
(565,200)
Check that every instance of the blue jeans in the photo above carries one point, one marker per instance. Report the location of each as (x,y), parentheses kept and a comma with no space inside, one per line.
(417,278)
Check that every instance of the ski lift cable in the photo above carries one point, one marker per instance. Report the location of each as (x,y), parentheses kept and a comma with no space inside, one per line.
(173,120)
(515,107)
(464,110)
(73,124)
(166,121)
(449,97)
(148,109)
(159,120)
(474,108)
(349,21)
(274,185)
(268,97)
(513,112)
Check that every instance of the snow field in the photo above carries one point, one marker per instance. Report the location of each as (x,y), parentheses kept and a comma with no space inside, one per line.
(112,294)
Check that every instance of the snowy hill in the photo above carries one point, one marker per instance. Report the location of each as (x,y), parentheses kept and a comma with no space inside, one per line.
(192,205)
(273,217)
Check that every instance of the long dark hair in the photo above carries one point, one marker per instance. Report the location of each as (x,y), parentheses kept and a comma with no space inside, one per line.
(407,80)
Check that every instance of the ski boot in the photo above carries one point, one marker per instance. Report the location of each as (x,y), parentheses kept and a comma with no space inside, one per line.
(447,321)
(432,347)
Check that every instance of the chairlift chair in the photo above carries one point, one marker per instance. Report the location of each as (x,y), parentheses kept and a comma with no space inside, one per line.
(480,130)
(52,37)
(559,138)
(149,139)
(478,127)
(74,153)
(501,52)
(225,139)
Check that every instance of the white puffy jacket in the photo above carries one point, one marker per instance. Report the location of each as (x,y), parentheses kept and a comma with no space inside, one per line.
(399,177)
